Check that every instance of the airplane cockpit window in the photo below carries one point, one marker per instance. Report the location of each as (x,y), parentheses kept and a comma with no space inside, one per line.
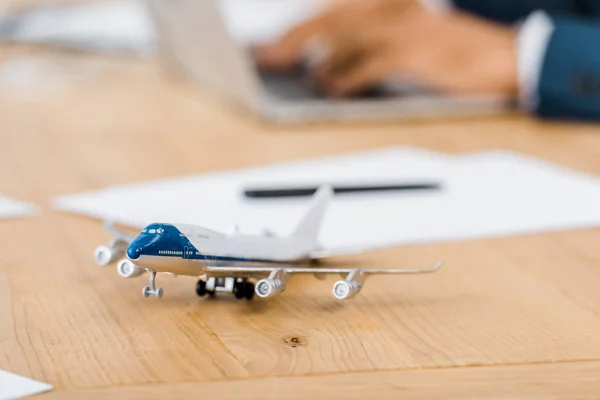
(152,231)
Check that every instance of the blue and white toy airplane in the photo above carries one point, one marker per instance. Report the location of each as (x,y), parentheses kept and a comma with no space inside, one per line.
(232,263)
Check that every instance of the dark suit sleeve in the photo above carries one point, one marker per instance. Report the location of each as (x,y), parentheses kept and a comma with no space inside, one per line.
(510,11)
(569,82)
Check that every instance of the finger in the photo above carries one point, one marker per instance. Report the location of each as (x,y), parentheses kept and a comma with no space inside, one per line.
(370,70)
(341,17)
(349,50)
(291,48)
(344,52)
(340,57)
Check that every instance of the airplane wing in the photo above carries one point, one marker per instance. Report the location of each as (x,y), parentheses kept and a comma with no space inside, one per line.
(312,270)
(115,249)
(345,251)
(278,276)
(109,226)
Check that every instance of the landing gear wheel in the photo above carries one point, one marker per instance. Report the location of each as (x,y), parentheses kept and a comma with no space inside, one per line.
(249,290)
(239,289)
(152,289)
(201,288)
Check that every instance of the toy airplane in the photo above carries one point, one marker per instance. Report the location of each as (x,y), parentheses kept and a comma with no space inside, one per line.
(231,263)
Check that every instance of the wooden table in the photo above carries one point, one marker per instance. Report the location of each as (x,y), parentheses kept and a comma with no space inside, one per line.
(508,317)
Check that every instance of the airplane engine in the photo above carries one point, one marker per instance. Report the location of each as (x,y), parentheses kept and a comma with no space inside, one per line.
(346,289)
(127,269)
(105,255)
(267,287)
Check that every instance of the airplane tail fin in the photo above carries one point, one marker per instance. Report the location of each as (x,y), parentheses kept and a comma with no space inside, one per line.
(309,226)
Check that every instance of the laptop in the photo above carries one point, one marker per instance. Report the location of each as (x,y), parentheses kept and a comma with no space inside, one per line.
(194,39)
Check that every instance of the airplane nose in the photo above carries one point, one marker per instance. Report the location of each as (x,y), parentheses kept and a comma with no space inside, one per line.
(133,252)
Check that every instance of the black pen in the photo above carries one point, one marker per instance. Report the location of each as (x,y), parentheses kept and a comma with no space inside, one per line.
(337,189)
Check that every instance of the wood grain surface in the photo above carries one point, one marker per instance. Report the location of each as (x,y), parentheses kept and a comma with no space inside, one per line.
(513,317)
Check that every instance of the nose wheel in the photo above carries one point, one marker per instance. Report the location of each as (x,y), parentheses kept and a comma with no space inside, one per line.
(152,290)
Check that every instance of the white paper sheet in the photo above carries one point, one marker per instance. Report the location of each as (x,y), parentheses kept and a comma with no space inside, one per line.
(485,194)
(15,387)
(215,200)
(10,208)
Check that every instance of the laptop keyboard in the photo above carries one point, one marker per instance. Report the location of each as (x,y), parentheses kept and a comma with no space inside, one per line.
(296,85)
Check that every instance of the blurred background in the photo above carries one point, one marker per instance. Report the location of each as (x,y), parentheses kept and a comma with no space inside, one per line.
(306,60)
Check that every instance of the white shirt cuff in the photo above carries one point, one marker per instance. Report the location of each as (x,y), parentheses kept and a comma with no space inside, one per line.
(532,41)
(437,6)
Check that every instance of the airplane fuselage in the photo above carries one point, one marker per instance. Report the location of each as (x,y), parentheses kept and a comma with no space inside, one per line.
(187,249)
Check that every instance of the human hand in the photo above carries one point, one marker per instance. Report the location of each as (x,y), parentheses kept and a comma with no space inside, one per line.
(368,41)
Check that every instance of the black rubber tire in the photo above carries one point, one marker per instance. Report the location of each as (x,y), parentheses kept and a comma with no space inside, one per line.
(201,288)
(239,289)
(248,290)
